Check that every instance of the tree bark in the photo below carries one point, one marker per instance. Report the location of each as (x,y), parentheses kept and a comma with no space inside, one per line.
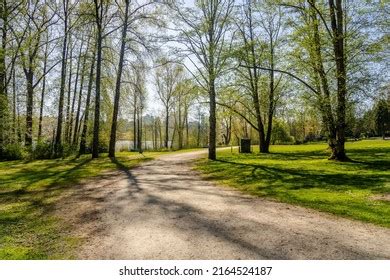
(135,124)
(336,16)
(29,108)
(180,126)
(67,124)
(271,95)
(199,127)
(77,119)
(187,128)
(58,140)
(87,103)
(173,134)
(14,105)
(70,132)
(43,90)
(252,66)
(166,127)
(139,131)
(3,87)
(4,18)
(324,93)
(160,133)
(95,142)
(111,151)
(212,120)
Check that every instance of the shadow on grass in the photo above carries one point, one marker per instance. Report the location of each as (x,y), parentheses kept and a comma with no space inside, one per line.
(317,154)
(307,178)
(28,194)
(295,178)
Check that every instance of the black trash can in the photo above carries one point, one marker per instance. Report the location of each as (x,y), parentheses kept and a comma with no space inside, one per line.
(245,145)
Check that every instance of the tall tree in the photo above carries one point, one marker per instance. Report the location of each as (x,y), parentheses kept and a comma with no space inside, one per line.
(184,96)
(111,150)
(204,36)
(139,101)
(83,141)
(70,48)
(65,17)
(317,24)
(71,116)
(43,90)
(38,21)
(78,110)
(167,78)
(256,50)
(336,11)
(3,87)
(100,8)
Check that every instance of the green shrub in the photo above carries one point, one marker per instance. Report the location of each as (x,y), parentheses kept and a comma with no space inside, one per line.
(13,152)
(42,150)
(280,134)
(69,149)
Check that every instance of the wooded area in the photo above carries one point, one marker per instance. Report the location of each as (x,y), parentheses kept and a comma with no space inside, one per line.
(82,77)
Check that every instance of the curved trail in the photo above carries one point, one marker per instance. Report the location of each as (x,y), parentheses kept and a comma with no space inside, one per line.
(164,210)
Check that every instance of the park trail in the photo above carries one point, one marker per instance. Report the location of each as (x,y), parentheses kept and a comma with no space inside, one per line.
(163,209)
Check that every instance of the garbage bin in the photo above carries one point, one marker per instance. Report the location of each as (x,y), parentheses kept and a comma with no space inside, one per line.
(245,145)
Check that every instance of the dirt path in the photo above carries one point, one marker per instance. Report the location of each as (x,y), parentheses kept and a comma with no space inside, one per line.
(164,210)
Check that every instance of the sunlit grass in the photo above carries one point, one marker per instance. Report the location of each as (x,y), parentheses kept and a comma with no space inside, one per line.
(28,191)
(302,175)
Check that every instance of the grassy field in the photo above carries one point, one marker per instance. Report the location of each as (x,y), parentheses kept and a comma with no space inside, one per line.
(28,192)
(302,175)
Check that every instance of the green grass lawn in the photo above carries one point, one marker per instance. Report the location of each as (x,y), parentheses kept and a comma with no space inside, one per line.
(28,192)
(301,174)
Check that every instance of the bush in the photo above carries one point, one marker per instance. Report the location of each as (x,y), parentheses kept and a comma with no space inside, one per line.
(280,134)
(13,152)
(312,137)
(104,140)
(42,150)
(69,149)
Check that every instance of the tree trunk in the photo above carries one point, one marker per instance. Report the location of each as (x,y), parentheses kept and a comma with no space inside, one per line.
(29,107)
(228,134)
(139,131)
(173,134)
(70,132)
(254,79)
(198,134)
(180,127)
(58,142)
(95,143)
(140,128)
(43,91)
(325,106)
(187,130)
(271,96)
(212,120)
(135,124)
(336,16)
(111,151)
(3,87)
(67,127)
(4,18)
(166,127)
(156,134)
(15,128)
(77,119)
(160,133)
(87,103)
